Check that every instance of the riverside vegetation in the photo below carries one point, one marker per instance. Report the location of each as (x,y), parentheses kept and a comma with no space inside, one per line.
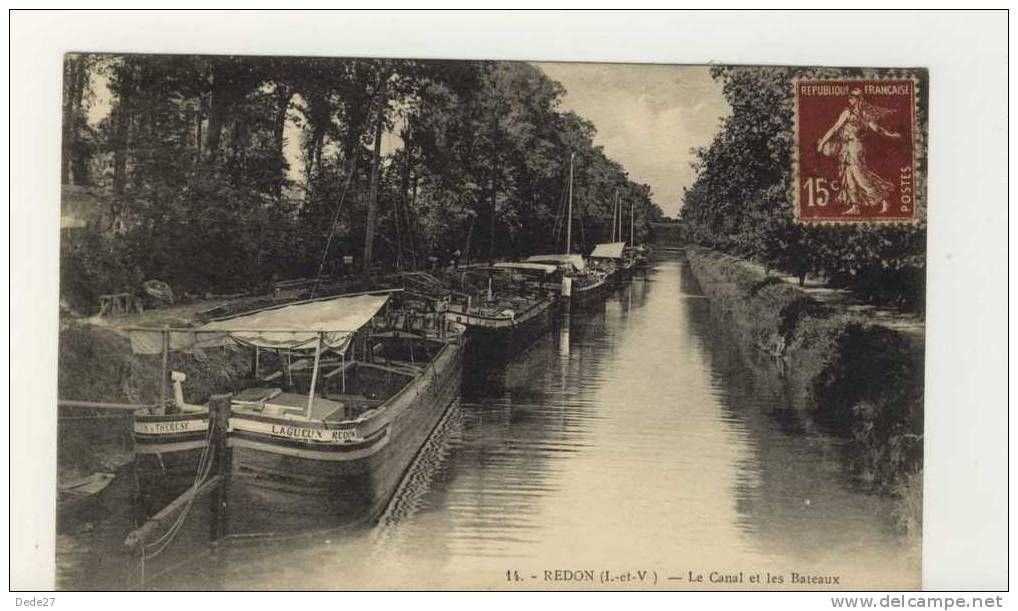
(862,379)
(859,380)
(218,173)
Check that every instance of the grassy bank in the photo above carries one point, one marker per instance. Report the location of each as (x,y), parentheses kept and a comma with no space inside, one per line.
(861,380)
(96,364)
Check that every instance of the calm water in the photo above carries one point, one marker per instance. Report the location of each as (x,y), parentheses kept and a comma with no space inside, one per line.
(634,438)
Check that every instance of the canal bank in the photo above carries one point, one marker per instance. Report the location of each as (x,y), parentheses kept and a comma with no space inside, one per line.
(857,371)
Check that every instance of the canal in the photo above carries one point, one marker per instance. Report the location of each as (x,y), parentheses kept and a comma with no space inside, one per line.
(636,439)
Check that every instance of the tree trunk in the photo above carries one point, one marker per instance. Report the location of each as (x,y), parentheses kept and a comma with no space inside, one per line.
(79,149)
(376,159)
(397,213)
(79,168)
(224,93)
(466,247)
(217,113)
(410,194)
(319,115)
(199,119)
(121,136)
(283,96)
(491,230)
(72,166)
(412,237)
(70,74)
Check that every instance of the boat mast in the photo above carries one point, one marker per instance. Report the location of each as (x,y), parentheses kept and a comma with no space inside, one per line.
(569,225)
(618,235)
(615,212)
(632,219)
(618,238)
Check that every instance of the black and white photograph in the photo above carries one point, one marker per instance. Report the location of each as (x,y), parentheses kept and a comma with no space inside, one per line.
(356,322)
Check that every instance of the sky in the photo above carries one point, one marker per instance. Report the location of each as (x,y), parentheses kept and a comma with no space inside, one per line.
(648,117)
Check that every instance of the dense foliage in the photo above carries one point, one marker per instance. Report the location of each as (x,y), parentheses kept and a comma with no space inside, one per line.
(741,202)
(192,168)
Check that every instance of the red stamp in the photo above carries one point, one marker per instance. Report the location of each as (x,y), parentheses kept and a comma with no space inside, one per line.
(855,150)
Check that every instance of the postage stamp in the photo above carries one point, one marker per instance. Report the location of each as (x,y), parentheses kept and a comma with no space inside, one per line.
(855,150)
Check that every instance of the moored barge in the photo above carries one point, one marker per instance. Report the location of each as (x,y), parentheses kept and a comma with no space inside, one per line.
(329,436)
(512,316)
(581,286)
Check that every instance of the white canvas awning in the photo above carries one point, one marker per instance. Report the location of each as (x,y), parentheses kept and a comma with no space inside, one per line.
(533,267)
(608,250)
(292,327)
(575,260)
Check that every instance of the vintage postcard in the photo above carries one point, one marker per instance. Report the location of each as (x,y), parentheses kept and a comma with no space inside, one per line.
(387,324)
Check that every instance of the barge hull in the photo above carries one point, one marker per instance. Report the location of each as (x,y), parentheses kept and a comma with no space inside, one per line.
(494,346)
(291,485)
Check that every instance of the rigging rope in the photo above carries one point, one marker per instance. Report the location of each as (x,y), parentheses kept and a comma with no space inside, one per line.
(561,212)
(332,226)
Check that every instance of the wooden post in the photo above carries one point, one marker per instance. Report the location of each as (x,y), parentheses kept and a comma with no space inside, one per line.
(219,420)
(165,367)
(314,373)
(289,370)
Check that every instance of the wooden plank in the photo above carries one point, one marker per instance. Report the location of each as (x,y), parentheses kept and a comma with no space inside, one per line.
(340,369)
(403,371)
(101,405)
(297,365)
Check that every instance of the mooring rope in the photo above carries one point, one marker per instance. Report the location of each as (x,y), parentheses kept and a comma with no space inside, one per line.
(163,542)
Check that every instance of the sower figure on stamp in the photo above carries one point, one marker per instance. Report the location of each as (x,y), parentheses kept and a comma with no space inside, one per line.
(860,186)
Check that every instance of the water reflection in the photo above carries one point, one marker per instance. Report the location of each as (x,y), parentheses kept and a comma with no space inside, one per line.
(793,495)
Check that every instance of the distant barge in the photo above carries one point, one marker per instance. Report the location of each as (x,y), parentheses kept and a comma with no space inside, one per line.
(499,328)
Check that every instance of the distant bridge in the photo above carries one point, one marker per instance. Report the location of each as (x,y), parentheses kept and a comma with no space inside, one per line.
(668,234)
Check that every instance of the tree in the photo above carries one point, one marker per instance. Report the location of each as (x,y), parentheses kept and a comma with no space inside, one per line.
(77,146)
(741,200)
(401,160)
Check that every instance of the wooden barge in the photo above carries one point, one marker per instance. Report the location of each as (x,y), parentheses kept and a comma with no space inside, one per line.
(581,285)
(334,440)
(346,457)
(500,327)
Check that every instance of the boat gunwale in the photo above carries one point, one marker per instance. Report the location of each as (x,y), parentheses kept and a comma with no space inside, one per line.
(591,287)
(201,415)
(319,445)
(526,315)
(369,415)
